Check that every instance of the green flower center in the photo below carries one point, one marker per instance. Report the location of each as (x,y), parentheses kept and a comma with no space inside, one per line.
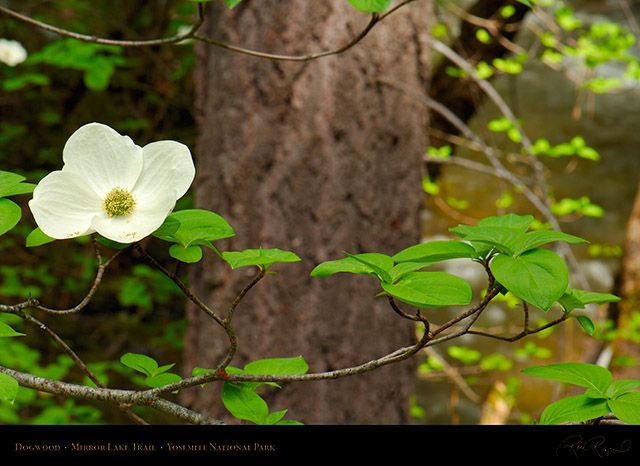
(118,202)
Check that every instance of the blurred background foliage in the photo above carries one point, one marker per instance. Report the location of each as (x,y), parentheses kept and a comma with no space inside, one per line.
(144,92)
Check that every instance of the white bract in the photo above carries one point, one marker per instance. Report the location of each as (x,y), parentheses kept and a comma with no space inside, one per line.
(12,52)
(111,186)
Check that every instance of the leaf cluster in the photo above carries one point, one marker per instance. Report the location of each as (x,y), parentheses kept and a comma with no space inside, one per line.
(601,397)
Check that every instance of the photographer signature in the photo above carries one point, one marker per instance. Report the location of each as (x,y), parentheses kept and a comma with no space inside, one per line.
(576,444)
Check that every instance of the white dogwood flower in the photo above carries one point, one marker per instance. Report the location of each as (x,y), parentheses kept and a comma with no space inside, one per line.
(12,52)
(111,186)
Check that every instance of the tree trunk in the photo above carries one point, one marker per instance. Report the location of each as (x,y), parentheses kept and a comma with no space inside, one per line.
(629,292)
(316,158)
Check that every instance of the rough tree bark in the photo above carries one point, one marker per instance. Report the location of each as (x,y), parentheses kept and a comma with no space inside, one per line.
(316,158)
(629,292)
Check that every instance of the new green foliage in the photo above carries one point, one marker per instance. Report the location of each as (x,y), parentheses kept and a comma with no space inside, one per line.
(156,376)
(601,397)
(373,6)
(512,253)
(537,276)
(11,184)
(400,278)
(195,228)
(262,258)
(243,400)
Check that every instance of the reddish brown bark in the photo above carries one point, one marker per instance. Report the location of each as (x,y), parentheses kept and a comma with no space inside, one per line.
(316,158)
(629,283)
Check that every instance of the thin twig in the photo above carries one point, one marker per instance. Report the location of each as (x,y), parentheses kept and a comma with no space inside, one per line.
(497,99)
(192,34)
(74,357)
(94,287)
(98,40)
(525,331)
(187,292)
(243,293)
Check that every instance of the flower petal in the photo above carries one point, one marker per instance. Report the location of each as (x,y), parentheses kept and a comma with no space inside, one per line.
(149,213)
(169,163)
(63,205)
(103,157)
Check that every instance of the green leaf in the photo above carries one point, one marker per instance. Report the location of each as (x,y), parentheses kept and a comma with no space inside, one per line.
(263,258)
(533,239)
(140,363)
(110,243)
(627,408)
(402,269)
(519,222)
(483,36)
(8,388)
(97,77)
(289,422)
(578,299)
(280,366)
(7,331)
(275,417)
(162,379)
(197,227)
(244,403)
(10,214)
(371,5)
(574,409)
(190,254)
(505,239)
(435,251)
(591,297)
(496,362)
(569,302)
(430,289)
(620,387)
(581,374)
(346,265)
(20,188)
(464,354)
(11,184)
(380,264)
(21,81)
(526,2)
(538,276)
(586,324)
(511,67)
(168,227)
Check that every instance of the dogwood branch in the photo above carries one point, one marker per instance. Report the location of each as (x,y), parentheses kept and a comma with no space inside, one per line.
(126,398)
(35,304)
(192,34)
(98,40)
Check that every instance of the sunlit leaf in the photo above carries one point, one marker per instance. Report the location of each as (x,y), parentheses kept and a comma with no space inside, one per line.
(581,374)
(371,5)
(8,388)
(258,257)
(627,408)
(435,251)
(430,289)
(244,403)
(574,409)
(10,214)
(538,276)
(7,331)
